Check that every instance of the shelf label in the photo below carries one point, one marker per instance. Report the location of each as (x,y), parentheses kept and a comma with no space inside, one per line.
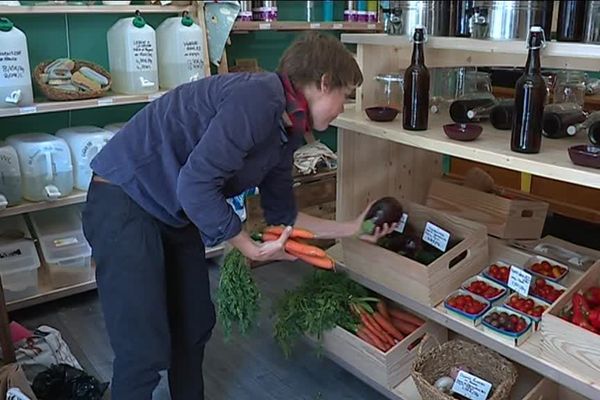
(436,236)
(27,110)
(371,26)
(315,26)
(338,26)
(264,26)
(65,241)
(519,280)
(154,96)
(471,387)
(402,223)
(105,102)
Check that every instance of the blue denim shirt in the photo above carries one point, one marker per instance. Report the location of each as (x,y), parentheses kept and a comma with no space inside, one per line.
(184,154)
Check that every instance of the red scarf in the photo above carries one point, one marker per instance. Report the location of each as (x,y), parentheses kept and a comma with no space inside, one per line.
(296,108)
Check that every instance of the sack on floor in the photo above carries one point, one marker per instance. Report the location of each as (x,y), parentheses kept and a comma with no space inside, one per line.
(63,382)
(45,348)
(13,384)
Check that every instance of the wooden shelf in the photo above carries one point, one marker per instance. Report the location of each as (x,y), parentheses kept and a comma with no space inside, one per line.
(247,26)
(533,354)
(47,106)
(28,206)
(92,9)
(492,147)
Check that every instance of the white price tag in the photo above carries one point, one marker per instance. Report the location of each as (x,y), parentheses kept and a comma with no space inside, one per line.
(65,241)
(338,26)
(436,236)
(152,97)
(264,26)
(519,280)
(402,223)
(28,110)
(105,102)
(471,387)
(315,26)
(371,26)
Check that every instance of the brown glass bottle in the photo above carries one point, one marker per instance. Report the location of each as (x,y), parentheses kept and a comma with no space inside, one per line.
(501,115)
(571,15)
(471,110)
(556,123)
(530,96)
(415,112)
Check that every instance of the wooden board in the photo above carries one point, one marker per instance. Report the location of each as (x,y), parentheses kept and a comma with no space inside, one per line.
(76,197)
(245,26)
(548,390)
(492,147)
(177,8)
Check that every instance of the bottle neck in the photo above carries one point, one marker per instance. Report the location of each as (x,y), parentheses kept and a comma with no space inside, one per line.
(534,65)
(418,56)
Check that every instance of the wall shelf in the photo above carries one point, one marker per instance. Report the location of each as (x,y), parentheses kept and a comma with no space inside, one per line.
(247,26)
(92,9)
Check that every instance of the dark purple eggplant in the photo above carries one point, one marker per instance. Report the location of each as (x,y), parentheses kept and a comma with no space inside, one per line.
(386,210)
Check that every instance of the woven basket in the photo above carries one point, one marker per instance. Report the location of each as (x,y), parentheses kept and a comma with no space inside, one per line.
(481,361)
(53,93)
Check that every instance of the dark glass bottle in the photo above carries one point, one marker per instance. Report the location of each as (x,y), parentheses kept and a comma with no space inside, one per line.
(594,133)
(471,110)
(571,15)
(530,96)
(463,11)
(501,115)
(415,113)
(559,117)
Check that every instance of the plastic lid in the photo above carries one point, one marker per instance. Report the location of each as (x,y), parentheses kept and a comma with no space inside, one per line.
(138,20)
(6,24)
(186,20)
(571,130)
(536,29)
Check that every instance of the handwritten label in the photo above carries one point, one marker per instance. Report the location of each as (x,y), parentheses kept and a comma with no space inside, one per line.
(105,102)
(315,26)
(13,65)
(519,280)
(143,53)
(264,26)
(338,26)
(28,110)
(471,387)
(436,236)
(402,223)
(192,52)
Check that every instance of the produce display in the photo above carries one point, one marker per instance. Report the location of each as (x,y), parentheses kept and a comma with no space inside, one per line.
(526,305)
(386,210)
(551,271)
(499,272)
(510,323)
(484,289)
(546,291)
(467,304)
(445,383)
(584,310)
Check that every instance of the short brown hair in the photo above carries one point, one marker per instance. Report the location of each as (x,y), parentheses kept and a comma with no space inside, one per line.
(315,54)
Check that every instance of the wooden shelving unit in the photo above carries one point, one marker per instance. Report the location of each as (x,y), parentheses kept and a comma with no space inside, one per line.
(93,9)
(28,206)
(247,26)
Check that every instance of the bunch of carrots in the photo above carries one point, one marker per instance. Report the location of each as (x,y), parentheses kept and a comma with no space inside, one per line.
(295,246)
(385,326)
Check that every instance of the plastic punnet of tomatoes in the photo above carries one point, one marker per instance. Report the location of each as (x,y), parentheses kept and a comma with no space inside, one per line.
(507,325)
(498,272)
(484,287)
(467,306)
(546,268)
(528,306)
(546,290)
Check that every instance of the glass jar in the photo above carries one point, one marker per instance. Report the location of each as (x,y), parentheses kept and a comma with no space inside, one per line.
(570,87)
(388,91)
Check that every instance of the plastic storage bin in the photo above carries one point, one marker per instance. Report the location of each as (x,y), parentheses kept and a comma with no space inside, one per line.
(10,177)
(85,142)
(46,169)
(64,248)
(180,53)
(132,56)
(15,79)
(19,261)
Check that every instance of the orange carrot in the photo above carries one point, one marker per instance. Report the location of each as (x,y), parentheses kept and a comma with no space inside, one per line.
(292,245)
(387,326)
(379,329)
(296,232)
(405,327)
(320,262)
(374,329)
(361,334)
(382,308)
(404,316)
(374,339)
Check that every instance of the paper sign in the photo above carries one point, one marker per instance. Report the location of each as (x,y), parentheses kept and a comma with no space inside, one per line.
(371,26)
(105,102)
(436,236)
(315,26)
(28,110)
(402,223)
(65,241)
(471,387)
(519,280)
(338,26)
(264,26)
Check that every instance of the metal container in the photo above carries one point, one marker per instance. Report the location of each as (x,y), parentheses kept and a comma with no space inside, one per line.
(591,27)
(535,13)
(433,14)
(245,11)
(503,20)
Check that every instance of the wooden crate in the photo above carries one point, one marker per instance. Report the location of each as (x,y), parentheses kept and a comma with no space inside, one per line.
(571,345)
(427,284)
(548,390)
(386,368)
(504,217)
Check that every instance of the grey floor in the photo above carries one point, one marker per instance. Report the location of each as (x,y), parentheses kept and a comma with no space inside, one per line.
(251,368)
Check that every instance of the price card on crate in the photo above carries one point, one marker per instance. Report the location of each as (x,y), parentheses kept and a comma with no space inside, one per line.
(519,280)
(436,236)
(402,223)
(471,387)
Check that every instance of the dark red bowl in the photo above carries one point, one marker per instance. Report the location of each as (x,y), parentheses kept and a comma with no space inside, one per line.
(585,155)
(381,114)
(463,132)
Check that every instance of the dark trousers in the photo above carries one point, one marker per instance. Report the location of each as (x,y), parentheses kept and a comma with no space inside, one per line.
(154,290)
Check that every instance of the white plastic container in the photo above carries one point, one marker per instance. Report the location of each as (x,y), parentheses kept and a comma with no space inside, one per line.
(132,56)
(46,169)
(84,142)
(15,74)
(19,261)
(65,250)
(115,127)
(180,53)
(11,192)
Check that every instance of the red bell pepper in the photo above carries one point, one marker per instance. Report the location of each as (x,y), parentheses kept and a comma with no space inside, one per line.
(592,295)
(580,305)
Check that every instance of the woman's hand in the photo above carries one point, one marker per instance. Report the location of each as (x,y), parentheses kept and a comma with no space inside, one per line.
(267,251)
(378,233)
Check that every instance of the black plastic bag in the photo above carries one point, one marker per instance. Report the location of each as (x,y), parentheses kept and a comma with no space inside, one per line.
(63,382)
